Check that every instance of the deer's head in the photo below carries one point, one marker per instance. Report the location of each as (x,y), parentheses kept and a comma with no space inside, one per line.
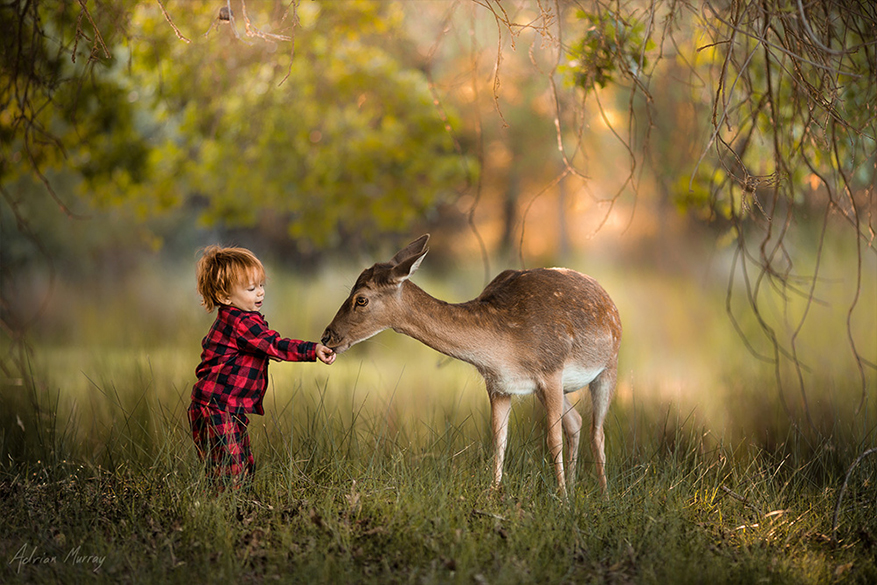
(375,299)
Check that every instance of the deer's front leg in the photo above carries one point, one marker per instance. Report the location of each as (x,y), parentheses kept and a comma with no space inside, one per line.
(500,405)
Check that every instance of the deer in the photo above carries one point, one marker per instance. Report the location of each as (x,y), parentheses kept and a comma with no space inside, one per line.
(548,331)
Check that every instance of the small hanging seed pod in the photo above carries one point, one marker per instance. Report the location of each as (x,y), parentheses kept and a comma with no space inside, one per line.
(224,14)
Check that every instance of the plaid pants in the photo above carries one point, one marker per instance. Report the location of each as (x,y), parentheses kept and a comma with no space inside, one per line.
(223,446)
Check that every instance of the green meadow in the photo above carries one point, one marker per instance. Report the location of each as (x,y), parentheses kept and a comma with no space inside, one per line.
(722,468)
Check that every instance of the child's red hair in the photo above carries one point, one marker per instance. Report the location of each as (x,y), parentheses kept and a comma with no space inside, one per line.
(220,270)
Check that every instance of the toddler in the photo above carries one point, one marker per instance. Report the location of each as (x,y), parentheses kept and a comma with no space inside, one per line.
(233,373)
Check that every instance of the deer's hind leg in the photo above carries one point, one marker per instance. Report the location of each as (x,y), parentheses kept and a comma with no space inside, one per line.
(602,389)
(550,393)
(572,428)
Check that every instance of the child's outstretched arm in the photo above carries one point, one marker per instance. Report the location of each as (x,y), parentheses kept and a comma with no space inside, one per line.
(252,334)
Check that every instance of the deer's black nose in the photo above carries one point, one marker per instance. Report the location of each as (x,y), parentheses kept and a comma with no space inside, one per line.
(327,335)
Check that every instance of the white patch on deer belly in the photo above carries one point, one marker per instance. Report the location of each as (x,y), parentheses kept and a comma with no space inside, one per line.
(575,377)
(517,385)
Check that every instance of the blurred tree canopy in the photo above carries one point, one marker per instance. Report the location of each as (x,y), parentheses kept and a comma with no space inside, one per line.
(337,139)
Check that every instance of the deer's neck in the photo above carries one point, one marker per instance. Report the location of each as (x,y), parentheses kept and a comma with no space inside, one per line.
(457,330)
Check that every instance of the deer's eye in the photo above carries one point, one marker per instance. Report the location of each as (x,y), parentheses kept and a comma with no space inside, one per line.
(360,301)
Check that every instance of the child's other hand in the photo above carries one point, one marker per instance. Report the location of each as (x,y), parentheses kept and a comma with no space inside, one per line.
(324,354)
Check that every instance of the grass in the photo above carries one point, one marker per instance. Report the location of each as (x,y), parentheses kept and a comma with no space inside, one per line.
(376,470)
(358,502)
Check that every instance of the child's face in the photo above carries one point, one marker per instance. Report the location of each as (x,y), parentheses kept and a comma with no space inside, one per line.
(248,295)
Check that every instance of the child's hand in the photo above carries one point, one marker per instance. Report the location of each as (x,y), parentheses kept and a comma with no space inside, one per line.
(324,354)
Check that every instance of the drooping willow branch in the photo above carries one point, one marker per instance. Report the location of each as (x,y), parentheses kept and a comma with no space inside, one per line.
(801,83)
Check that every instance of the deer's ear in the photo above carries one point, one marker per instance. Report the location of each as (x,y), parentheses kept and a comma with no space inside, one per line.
(413,249)
(404,269)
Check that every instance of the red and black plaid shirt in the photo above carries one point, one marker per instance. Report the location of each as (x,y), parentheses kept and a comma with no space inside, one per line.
(233,373)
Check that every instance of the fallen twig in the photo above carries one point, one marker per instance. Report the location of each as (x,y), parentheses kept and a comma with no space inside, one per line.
(742,499)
